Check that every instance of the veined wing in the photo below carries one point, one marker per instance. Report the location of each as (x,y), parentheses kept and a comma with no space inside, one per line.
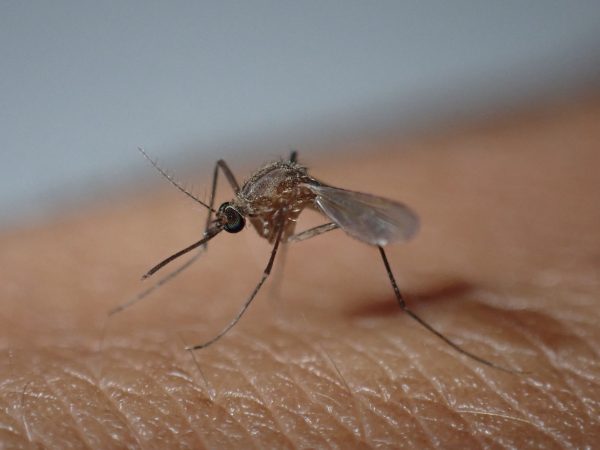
(368,218)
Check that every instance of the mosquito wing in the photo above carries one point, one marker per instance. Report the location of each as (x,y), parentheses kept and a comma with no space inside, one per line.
(368,218)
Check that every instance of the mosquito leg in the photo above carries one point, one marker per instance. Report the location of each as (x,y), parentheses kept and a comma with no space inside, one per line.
(306,234)
(221,164)
(229,175)
(405,308)
(142,295)
(294,156)
(264,277)
(312,232)
(277,279)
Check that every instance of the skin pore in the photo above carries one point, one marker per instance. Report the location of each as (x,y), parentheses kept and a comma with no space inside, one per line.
(506,264)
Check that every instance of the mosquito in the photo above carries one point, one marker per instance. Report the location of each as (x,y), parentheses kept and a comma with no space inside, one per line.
(272,199)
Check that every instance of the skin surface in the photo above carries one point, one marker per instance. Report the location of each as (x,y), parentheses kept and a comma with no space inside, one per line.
(507,263)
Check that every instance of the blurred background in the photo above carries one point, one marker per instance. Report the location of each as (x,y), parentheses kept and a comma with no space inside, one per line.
(84,83)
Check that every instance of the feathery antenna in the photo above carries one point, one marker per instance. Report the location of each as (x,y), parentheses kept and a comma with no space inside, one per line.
(172,180)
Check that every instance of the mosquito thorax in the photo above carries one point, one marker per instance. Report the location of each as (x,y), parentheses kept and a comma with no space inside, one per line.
(233,220)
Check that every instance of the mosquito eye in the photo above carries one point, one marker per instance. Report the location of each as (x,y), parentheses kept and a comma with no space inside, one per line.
(235,221)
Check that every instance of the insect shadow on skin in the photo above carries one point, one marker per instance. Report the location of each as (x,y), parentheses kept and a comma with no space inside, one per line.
(271,200)
(442,292)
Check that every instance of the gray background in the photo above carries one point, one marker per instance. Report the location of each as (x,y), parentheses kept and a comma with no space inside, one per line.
(82,84)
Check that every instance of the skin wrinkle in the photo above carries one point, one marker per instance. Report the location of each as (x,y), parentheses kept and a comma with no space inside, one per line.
(102,386)
(220,408)
(387,371)
(357,404)
(502,414)
(493,414)
(228,413)
(24,414)
(222,436)
(356,400)
(307,343)
(589,380)
(183,414)
(256,389)
(398,437)
(126,421)
(68,409)
(23,405)
(420,368)
(50,383)
(431,382)
(438,387)
(11,424)
(97,387)
(516,405)
(292,379)
(480,375)
(475,425)
(588,377)
(156,407)
(307,394)
(372,407)
(557,366)
(324,406)
(44,439)
(359,432)
(225,395)
(117,413)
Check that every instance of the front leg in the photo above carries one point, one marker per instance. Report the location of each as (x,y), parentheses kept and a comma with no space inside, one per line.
(252,296)
(221,164)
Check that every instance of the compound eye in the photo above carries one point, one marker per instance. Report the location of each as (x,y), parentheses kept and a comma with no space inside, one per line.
(235,221)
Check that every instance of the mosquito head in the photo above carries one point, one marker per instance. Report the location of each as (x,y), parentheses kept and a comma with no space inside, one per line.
(233,221)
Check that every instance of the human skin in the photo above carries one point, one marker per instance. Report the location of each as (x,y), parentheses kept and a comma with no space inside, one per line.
(507,264)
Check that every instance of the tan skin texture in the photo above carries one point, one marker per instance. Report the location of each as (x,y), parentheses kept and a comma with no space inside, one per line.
(507,264)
